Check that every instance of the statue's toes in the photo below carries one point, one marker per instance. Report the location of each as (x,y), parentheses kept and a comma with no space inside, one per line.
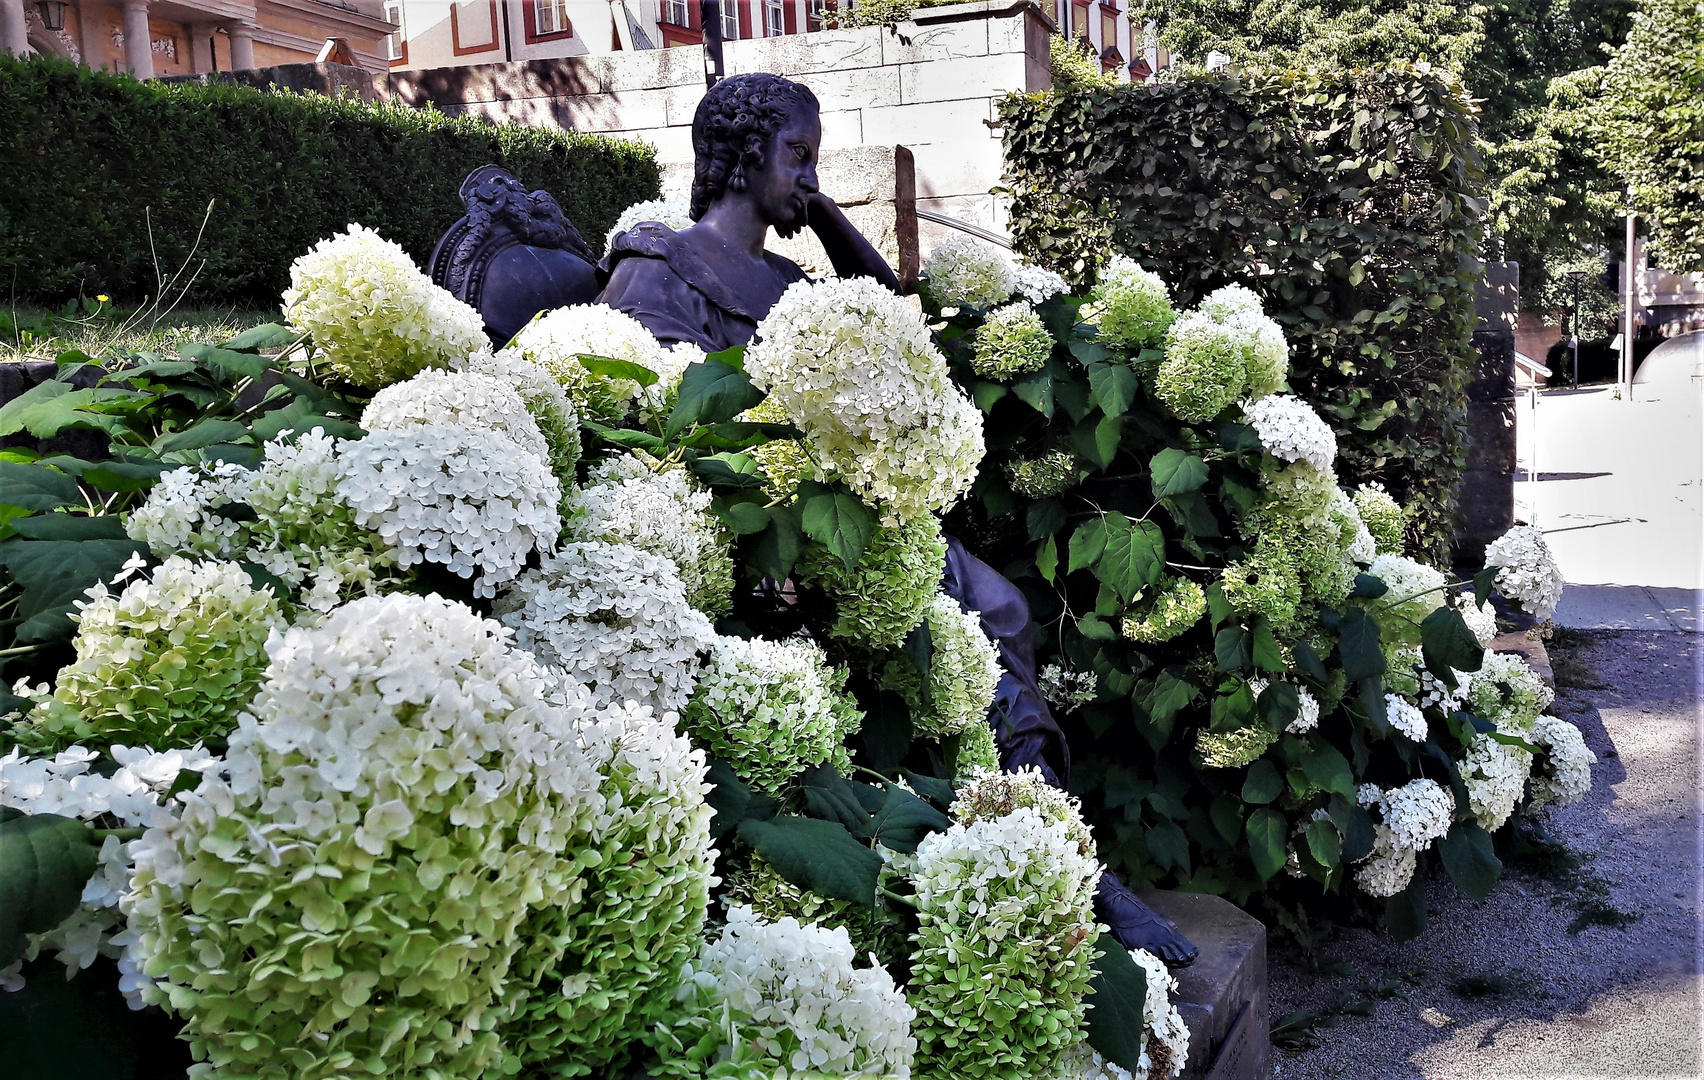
(1176,951)
(1158,936)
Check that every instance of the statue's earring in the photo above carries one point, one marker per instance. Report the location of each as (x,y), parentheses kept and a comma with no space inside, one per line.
(737,177)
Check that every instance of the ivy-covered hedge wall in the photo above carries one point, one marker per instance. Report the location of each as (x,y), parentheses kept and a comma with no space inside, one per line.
(104,177)
(1349,200)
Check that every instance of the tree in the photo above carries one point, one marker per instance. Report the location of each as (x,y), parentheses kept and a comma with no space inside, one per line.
(1652,124)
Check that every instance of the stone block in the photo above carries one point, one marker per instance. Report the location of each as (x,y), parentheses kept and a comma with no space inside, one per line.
(855,88)
(912,125)
(805,54)
(964,77)
(875,186)
(1494,368)
(1222,996)
(624,110)
(1491,437)
(967,167)
(843,128)
(1485,510)
(916,43)
(563,77)
(650,69)
(682,103)
(1497,300)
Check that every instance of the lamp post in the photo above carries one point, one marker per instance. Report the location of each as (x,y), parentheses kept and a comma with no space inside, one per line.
(1574,323)
(52,14)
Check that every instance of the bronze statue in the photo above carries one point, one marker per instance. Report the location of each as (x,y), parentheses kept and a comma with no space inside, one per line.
(755,140)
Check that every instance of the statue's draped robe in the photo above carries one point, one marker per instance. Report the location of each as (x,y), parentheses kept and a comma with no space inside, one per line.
(654,277)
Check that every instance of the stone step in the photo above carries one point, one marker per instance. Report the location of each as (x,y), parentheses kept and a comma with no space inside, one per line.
(1222,996)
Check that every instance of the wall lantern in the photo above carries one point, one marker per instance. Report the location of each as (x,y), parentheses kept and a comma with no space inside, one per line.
(52,14)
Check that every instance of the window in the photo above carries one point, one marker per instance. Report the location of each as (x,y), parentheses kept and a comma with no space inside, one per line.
(730,20)
(675,12)
(1109,28)
(553,17)
(1080,18)
(396,44)
(774,18)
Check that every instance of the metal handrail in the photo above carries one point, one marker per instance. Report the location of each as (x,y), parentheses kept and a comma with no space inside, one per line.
(965,226)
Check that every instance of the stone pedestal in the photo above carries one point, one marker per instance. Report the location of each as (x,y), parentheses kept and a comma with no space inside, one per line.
(1487,497)
(1222,996)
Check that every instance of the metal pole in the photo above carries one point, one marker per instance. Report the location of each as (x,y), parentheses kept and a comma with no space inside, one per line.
(1576,328)
(710,17)
(1629,274)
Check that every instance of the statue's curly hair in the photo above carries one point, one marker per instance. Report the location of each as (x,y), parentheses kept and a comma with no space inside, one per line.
(731,128)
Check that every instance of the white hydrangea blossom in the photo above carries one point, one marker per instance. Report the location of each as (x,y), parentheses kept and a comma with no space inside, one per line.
(456,399)
(964,671)
(1266,351)
(1163,1021)
(1508,692)
(545,400)
(373,314)
(1563,773)
(1418,813)
(1307,716)
(665,513)
(1363,549)
(1037,284)
(963,272)
(1291,430)
(1415,590)
(1231,301)
(1084,1062)
(675,213)
(133,797)
(1527,572)
(853,365)
(1405,718)
(472,500)
(771,708)
(615,618)
(1066,689)
(1481,620)
(176,516)
(1388,868)
(1495,775)
(557,339)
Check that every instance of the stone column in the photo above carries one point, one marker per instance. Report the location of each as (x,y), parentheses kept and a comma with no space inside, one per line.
(242,46)
(94,43)
(138,40)
(14,34)
(201,47)
(1487,496)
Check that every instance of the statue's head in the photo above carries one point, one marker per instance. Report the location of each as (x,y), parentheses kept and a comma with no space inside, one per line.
(756,137)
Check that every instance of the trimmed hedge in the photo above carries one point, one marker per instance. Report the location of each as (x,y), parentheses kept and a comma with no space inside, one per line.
(103,174)
(1349,200)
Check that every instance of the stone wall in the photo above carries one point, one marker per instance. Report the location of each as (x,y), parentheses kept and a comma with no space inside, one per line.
(930,85)
(1487,500)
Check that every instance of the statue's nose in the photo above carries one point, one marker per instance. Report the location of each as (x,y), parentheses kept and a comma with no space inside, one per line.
(808,179)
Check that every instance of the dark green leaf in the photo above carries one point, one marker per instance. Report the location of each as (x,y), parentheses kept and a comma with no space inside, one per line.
(919,648)
(1036,391)
(1324,843)
(56,573)
(1133,557)
(711,392)
(728,470)
(1090,353)
(36,487)
(1088,543)
(1326,767)
(1279,705)
(1267,831)
(1267,656)
(204,434)
(70,527)
(48,408)
(836,518)
(1047,558)
(1175,472)
(777,547)
(933,788)
(830,796)
(1308,662)
(1470,860)
(728,797)
(135,475)
(1044,518)
(986,394)
(1119,990)
(1263,784)
(904,820)
(1169,847)
(187,780)
(1483,582)
(264,336)
(742,518)
(1113,387)
(300,417)
(1233,649)
(1446,642)
(226,363)
(1095,628)
(1368,587)
(633,440)
(45,861)
(1358,646)
(817,855)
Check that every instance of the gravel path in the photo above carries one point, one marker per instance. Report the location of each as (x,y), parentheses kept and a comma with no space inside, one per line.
(1504,989)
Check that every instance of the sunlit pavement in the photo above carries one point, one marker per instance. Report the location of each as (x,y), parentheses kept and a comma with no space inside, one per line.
(1617,486)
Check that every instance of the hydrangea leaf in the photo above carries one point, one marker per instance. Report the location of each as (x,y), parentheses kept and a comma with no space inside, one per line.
(1045,517)
(1279,704)
(1072,395)
(711,392)
(1047,558)
(1113,386)
(1470,860)
(830,797)
(1356,825)
(1175,472)
(54,573)
(1036,391)
(778,546)
(986,394)
(1358,646)
(1233,649)
(837,518)
(1262,784)
(742,518)
(728,796)
(1327,769)
(1368,587)
(45,860)
(36,487)
(728,470)
(1169,847)
(201,435)
(124,475)
(1266,830)
(1483,582)
(1267,656)
(1405,913)
(300,415)
(817,855)
(1134,555)
(1324,843)
(611,368)
(1119,991)
(933,788)
(227,363)
(904,820)
(70,527)
(1169,696)
(1226,813)
(1446,643)
(1087,544)
(264,336)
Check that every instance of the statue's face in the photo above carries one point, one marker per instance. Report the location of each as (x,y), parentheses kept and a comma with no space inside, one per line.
(783,189)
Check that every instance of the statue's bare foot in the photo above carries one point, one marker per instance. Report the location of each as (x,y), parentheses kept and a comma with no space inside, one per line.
(1138,926)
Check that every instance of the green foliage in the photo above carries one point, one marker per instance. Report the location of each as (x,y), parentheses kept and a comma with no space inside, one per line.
(1072,66)
(1653,125)
(45,860)
(98,187)
(1377,304)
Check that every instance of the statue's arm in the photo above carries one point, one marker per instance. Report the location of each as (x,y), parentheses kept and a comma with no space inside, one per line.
(851,254)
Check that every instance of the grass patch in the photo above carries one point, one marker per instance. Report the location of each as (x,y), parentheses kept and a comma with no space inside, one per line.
(98,329)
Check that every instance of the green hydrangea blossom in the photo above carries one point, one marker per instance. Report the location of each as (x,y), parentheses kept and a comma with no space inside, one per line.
(760,886)
(1012,342)
(783,462)
(1135,305)
(1051,473)
(1233,749)
(977,751)
(1266,584)
(879,601)
(1205,369)
(964,669)
(1178,605)
(167,663)
(1383,516)
(992,794)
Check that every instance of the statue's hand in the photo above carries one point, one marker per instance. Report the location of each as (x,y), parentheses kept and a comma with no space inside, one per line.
(822,211)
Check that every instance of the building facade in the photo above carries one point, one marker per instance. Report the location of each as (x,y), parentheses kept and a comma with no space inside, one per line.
(450,33)
(150,38)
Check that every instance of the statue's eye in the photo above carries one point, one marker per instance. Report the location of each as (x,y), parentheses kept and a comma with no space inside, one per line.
(802,151)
